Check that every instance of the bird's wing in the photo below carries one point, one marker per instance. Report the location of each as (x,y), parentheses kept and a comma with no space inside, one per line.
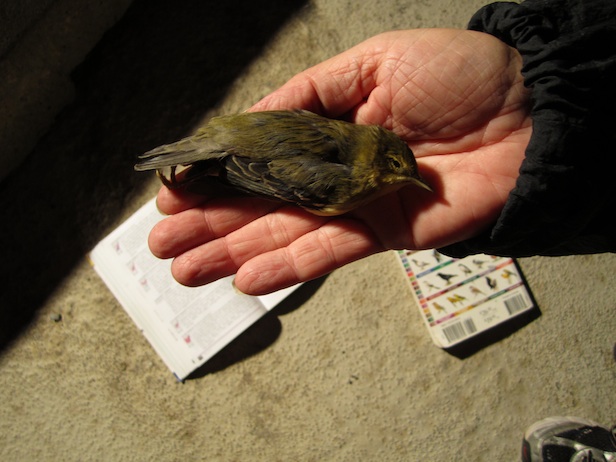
(305,181)
(260,136)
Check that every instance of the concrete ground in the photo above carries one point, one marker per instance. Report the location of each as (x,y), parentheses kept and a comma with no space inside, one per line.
(345,372)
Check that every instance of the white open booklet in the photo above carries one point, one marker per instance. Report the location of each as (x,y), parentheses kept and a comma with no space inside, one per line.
(185,325)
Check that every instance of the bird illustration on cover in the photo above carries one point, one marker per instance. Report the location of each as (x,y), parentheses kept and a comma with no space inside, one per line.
(326,166)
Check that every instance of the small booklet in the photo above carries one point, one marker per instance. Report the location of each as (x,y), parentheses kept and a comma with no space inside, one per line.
(462,298)
(185,325)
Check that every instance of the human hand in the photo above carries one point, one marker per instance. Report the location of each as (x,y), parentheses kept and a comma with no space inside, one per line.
(456,97)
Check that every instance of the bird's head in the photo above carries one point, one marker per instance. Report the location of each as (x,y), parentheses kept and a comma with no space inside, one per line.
(395,162)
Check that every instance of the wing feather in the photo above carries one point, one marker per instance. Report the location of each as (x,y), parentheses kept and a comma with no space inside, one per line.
(305,181)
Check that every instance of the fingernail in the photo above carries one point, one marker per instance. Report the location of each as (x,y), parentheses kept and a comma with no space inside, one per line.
(235,287)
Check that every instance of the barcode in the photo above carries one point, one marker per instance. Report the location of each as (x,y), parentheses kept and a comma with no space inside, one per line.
(459,330)
(515,304)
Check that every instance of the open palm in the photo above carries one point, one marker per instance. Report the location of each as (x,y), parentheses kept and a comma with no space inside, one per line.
(457,97)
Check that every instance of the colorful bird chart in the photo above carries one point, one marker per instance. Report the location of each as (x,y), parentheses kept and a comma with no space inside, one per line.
(460,298)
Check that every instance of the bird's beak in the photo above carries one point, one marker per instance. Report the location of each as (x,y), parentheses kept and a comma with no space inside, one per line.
(421,183)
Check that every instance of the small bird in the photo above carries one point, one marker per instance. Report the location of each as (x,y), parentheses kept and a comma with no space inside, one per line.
(492,283)
(456,298)
(446,277)
(326,166)
(506,274)
(440,308)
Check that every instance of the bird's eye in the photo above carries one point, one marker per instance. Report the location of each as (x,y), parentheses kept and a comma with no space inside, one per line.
(394,163)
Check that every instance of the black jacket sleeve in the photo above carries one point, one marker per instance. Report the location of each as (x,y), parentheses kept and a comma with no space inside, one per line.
(565,196)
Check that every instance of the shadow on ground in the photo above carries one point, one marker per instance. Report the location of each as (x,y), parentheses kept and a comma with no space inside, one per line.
(261,334)
(148,81)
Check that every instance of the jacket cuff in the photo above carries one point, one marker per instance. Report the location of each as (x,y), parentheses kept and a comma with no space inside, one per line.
(565,189)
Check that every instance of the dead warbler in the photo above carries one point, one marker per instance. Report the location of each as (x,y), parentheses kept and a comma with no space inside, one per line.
(326,166)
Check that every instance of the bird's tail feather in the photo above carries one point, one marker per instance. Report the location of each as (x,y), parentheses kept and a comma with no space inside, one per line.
(183,152)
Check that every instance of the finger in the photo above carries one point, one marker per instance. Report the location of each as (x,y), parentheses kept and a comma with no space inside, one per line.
(196,226)
(331,88)
(222,257)
(313,254)
(171,202)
